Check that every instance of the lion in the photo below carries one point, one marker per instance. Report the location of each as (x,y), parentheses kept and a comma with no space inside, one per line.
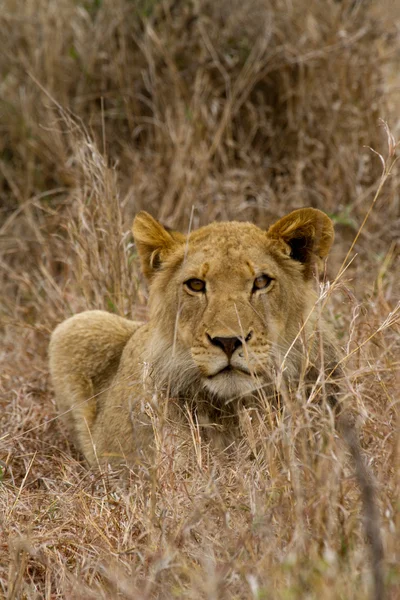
(233,314)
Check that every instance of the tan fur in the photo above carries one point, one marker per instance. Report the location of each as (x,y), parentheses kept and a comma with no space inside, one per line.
(109,372)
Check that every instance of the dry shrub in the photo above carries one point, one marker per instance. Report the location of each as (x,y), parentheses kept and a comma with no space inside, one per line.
(212,110)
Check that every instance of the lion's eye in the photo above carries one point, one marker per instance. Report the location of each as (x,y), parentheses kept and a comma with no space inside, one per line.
(196,285)
(261,282)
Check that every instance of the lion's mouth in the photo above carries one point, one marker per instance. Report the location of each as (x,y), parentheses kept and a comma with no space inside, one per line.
(229,370)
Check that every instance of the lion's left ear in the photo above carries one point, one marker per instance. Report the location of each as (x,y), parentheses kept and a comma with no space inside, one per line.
(153,242)
(308,234)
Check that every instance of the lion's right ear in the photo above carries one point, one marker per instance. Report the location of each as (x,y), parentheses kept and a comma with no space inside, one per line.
(153,242)
(307,234)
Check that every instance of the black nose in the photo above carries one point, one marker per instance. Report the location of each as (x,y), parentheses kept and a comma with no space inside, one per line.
(227,344)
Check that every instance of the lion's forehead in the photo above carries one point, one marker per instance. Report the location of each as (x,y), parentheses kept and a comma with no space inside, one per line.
(228,234)
(235,250)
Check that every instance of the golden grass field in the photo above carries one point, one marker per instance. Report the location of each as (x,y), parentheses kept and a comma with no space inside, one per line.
(196,110)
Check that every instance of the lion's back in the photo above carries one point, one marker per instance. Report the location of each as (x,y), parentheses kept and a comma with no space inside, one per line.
(84,355)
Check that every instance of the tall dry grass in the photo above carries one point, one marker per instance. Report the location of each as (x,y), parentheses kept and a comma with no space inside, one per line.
(221,110)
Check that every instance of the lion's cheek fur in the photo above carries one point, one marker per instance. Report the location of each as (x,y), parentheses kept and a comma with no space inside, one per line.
(164,300)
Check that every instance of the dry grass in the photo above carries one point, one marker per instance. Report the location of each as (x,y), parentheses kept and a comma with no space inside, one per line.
(231,110)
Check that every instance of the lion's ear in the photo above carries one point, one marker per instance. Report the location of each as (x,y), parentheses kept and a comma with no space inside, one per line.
(153,242)
(308,234)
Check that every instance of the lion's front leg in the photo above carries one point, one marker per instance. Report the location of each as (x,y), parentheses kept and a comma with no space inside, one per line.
(124,429)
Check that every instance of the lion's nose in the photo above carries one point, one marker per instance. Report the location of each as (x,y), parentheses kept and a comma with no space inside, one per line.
(228,344)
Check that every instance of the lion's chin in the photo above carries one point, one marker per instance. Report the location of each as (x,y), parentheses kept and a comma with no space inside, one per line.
(231,383)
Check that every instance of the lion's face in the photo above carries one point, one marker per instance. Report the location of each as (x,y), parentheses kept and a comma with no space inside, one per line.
(228,300)
(231,301)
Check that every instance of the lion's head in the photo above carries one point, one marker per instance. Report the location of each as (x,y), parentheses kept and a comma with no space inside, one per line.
(228,300)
